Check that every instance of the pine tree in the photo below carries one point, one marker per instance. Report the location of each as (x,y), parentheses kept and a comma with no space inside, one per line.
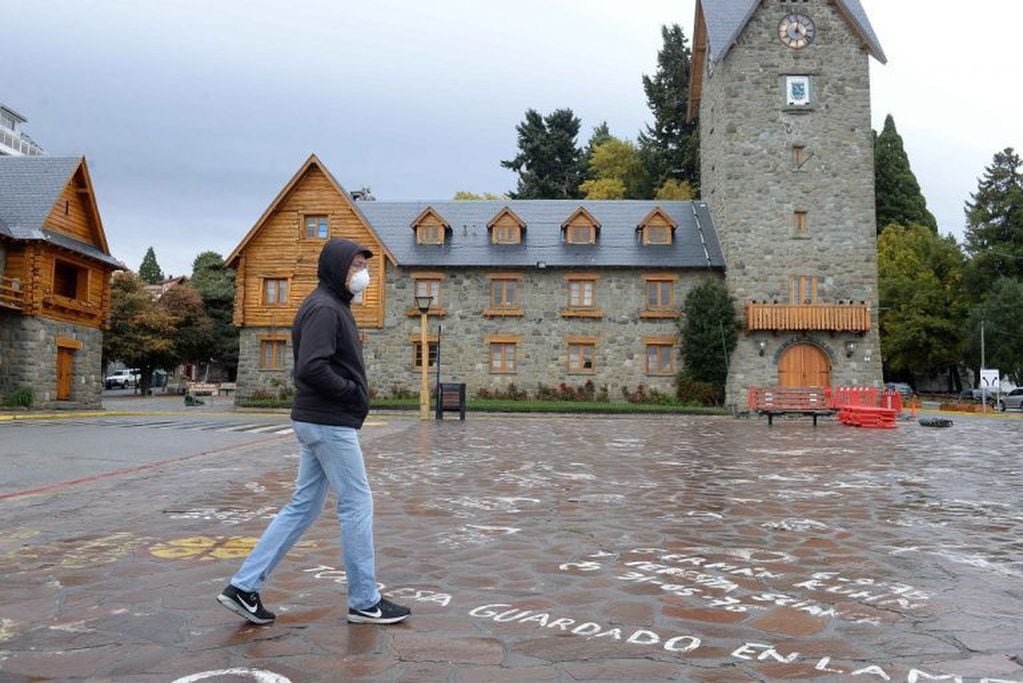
(898,196)
(215,283)
(549,163)
(149,270)
(670,147)
(994,218)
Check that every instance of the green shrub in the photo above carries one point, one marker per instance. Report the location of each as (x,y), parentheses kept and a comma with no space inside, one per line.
(691,392)
(22,397)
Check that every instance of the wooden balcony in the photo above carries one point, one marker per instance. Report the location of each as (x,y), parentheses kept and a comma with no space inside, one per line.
(11,294)
(807,317)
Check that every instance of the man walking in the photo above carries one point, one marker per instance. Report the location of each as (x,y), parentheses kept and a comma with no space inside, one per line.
(331,403)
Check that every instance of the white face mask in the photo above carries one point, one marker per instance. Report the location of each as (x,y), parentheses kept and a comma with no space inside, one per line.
(359,281)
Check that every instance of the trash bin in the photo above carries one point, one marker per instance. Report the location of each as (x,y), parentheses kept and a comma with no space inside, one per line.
(451,397)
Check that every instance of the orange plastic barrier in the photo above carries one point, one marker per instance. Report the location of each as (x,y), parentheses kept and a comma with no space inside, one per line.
(858,406)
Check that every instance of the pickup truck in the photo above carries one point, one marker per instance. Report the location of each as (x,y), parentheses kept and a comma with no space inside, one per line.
(121,379)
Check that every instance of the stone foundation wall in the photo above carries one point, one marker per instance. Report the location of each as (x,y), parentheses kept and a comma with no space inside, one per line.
(28,356)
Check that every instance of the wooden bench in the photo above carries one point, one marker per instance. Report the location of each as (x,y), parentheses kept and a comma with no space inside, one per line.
(771,401)
(226,388)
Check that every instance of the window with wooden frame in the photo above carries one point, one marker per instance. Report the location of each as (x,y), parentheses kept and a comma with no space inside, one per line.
(660,356)
(417,354)
(581,353)
(581,227)
(271,353)
(799,225)
(317,226)
(803,289)
(581,292)
(506,227)
(657,227)
(70,281)
(502,353)
(660,293)
(504,295)
(430,234)
(430,227)
(275,291)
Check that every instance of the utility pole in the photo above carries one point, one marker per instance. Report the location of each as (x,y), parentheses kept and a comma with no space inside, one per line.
(983,398)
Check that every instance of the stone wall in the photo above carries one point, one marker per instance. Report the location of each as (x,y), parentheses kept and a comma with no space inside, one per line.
(28,356)
(753,186)
(542,353)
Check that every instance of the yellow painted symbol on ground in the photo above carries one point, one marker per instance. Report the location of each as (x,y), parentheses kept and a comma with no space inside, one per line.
(211,548)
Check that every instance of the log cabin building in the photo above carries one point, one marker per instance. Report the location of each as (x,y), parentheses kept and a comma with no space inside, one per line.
(551,291)
(55,269)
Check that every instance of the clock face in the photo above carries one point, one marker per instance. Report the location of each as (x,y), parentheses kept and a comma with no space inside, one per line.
(797,31)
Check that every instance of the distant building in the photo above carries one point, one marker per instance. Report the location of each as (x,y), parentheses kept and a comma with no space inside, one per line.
(14,141)
(55,271)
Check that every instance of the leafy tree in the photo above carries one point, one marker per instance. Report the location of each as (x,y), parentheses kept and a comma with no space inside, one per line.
(670,147)
(215,284)
(898,196)
(195,332)
(709,333)
(141,333)
(616,171)
(1002,315)
(674,190)
(149,270)
(549,164)
(463,196)
(923,308)
(994,232)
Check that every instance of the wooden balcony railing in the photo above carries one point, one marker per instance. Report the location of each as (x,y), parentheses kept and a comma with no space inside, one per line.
(807,317)
(11,293)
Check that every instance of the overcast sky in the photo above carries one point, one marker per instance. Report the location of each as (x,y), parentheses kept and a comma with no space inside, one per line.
(193,114)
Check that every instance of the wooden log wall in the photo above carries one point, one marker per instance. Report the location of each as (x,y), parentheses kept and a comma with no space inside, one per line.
(280,249)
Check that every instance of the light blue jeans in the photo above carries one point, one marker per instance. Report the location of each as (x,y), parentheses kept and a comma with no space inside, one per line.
(330,455)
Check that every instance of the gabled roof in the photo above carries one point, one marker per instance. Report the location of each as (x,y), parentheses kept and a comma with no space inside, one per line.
(725,20)
(505,211)
(469,246)
(581,211)
(426,213)
(30,187)
(309,163)
(657,211)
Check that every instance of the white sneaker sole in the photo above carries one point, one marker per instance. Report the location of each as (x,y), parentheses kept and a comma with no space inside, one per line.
(359,619)
(241,611)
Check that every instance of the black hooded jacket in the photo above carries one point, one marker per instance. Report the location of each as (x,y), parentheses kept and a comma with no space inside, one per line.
(329,373)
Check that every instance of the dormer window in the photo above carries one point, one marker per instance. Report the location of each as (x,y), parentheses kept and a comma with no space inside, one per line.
(657,227)
(506,227)
(581,228)
(430,227)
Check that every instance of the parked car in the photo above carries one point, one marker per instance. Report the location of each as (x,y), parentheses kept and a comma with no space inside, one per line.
(1012,400)
(900,387)
(979,394)
(121,379)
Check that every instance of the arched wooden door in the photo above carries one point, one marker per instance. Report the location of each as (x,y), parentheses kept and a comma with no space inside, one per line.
(804,365)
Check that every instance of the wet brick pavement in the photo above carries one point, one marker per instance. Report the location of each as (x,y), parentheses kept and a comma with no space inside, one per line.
(549,549)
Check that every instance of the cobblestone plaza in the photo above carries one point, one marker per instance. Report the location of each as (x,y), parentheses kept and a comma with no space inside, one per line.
(561,549)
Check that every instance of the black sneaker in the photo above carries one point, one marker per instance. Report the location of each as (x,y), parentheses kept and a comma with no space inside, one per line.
(246,605)
(384,612)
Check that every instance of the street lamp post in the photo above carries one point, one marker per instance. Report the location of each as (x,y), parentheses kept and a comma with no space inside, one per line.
(423,304)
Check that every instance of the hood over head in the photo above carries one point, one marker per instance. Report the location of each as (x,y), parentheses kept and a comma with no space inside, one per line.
(335,260)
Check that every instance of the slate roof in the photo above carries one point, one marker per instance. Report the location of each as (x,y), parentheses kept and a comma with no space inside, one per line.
(468,244)
(726,19)
(29,188)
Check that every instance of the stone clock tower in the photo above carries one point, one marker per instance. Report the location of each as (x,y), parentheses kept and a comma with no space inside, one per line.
(782,91)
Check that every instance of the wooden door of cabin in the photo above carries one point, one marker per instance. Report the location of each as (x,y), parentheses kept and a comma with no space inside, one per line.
(65,363)
(804,365)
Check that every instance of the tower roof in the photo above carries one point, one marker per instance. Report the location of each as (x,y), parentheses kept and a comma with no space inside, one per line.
(725,20)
